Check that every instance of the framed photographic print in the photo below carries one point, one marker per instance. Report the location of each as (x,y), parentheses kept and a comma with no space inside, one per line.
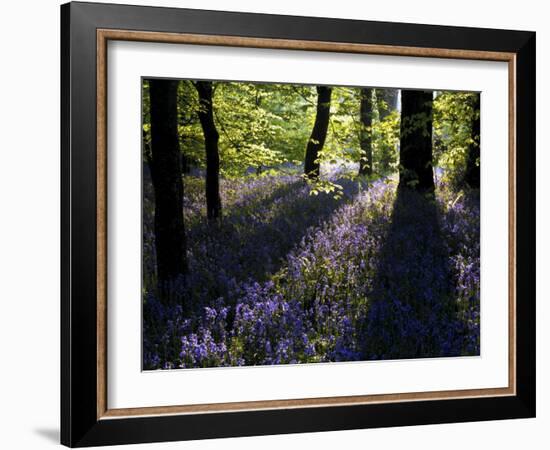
(277,224)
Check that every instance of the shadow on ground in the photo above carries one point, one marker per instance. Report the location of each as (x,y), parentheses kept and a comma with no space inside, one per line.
(411,313)
(251,242)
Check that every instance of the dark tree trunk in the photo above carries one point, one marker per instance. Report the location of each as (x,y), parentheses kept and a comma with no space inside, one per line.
(415,161)
(185,164)
(319,132)
(211,137)
(387,102)
(472,175)
(365,135)
(165,164)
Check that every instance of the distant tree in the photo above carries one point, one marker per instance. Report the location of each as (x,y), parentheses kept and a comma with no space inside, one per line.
(211,137)
(188,123)
(385,134)
(415,159)
(365,133)
(472,174)
(319,132)
(166,175)
(386,100)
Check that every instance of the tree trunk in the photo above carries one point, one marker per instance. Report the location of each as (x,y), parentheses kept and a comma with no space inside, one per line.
(165,164)
(415,161)
(365,135)
(185,164)
(211,137)
(387,102)
(472,175)
(319,132)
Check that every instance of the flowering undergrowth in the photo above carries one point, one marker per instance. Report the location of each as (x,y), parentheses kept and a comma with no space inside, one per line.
(289,277)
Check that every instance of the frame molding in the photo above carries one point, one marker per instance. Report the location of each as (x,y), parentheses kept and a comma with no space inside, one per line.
(105,35)
(86,419)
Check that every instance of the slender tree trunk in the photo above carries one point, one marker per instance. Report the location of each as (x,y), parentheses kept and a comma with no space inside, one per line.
(165,164)
(387,102)
(472,175)
(211,137)
(365,135)
(415,163)
(319,132)
(185,164)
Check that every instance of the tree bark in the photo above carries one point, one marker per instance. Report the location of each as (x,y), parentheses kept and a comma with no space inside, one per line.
(211,138)
(365,135)
(472,175)
(185,165)
(319,132)
(415,159)
(387,102)
(165,164)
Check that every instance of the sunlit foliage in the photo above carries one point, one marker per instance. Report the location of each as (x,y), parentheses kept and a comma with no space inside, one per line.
(452,131)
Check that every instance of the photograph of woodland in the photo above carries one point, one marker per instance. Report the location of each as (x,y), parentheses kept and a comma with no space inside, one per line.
(292,224)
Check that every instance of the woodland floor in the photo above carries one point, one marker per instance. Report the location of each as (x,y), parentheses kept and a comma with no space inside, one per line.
(290,277)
